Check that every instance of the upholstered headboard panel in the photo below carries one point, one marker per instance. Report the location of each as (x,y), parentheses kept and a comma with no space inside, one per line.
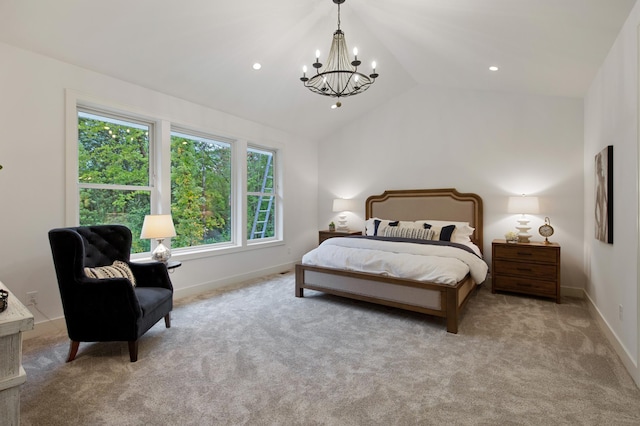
(436,204)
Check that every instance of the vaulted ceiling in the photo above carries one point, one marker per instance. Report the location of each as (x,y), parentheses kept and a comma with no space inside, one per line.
(203,51)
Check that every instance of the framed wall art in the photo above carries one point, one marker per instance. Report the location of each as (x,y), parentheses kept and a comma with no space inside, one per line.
(604,195)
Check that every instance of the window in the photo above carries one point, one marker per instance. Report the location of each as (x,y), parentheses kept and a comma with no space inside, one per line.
(130,165)
(200,190)
(114,172)
(261,196)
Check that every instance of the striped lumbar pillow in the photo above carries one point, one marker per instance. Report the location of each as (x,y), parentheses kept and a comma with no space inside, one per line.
(118,269)
(417,233)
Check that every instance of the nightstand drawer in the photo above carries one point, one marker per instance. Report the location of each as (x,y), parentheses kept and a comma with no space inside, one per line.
(522,269)
(524,253)
(543,288)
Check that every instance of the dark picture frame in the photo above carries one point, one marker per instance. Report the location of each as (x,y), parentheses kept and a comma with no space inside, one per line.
(604,195)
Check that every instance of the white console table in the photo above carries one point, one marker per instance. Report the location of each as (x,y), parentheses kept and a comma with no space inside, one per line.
(13,321)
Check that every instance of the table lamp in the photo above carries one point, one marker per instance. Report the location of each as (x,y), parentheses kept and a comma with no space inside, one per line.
(158,227)
(523,205)
(342,206)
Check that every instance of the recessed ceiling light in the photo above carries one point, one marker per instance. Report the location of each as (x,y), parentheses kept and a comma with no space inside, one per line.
(257,66)
(493,68)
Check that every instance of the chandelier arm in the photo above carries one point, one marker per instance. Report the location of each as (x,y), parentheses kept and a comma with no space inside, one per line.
(338,93)
(318,85)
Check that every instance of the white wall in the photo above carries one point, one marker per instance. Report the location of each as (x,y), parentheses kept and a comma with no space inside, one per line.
(611,118)
(32,183)
(493,144)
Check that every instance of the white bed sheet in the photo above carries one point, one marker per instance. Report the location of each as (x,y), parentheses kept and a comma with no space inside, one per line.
(434,263)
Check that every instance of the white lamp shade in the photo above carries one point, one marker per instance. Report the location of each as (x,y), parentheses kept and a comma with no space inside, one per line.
(523,205)
(158,226)
(343,205)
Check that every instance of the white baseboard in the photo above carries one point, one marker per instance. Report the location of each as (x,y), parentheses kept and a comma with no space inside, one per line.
(626,358)
(227,281)
(46,328)
(572,292)
(56,325)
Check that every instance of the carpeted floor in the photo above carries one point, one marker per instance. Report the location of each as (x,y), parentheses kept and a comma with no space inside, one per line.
(256,355)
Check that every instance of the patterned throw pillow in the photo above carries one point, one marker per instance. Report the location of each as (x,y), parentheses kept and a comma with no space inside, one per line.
(417,233)
(118,269)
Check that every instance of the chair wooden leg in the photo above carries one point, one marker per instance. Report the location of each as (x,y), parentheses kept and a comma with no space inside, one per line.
(167,320)
(73,350)
(133,350)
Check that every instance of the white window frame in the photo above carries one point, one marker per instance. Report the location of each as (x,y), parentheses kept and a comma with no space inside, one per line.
(277,198)
(160,169)
(107,115)
(199,134)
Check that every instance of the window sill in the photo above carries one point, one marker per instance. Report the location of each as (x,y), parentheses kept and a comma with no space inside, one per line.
(198,253)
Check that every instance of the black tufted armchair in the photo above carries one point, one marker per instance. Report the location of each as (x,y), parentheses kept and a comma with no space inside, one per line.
(104,310)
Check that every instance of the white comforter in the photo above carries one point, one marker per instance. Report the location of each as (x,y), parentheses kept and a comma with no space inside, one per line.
(434,263)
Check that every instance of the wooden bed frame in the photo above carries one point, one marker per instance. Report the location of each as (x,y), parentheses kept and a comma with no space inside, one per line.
(440,300)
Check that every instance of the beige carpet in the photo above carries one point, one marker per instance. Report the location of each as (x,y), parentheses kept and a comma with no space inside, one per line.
(257,355)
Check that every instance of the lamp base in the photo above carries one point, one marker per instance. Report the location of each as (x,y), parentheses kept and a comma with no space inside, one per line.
(523,227)
(161,253)
(342,223)
(523,238)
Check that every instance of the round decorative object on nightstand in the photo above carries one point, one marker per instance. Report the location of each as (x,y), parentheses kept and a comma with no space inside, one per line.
(546,230)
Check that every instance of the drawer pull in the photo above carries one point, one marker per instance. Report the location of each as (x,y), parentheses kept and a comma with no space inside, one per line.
(524,253)
(524,269)
(524,285)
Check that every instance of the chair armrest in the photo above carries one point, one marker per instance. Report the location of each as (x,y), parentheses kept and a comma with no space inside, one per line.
(153,274)
(105,298)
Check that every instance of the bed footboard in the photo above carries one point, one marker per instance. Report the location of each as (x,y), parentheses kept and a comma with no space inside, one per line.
(428,298)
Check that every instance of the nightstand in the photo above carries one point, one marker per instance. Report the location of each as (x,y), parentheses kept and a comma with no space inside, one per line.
(325,235)
(528,268)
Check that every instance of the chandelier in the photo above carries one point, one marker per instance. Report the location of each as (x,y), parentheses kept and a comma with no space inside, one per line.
(339,77)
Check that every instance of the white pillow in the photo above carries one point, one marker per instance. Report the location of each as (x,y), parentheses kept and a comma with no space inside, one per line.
(461,234)
(409,224)
(369,226)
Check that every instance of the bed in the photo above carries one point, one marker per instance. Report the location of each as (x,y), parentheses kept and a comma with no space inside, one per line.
(445,300)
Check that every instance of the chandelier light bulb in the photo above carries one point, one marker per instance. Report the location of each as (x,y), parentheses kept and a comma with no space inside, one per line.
(304,78)
(374,74)
(317,55)
(356,63)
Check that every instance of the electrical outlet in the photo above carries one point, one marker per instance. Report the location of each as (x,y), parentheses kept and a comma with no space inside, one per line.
(32,298)
(620,310)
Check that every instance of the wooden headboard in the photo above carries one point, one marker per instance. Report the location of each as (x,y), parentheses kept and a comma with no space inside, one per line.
(436,204)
